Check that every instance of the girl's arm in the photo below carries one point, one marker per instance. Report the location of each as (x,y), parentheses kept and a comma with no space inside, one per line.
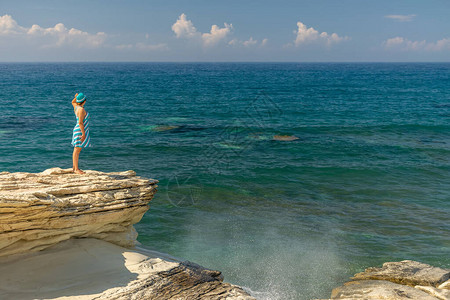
(74,101)
(81,113)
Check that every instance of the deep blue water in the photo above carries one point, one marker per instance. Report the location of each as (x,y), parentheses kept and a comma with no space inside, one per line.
(366,182)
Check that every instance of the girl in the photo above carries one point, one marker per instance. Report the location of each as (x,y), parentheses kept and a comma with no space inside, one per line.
(80,137)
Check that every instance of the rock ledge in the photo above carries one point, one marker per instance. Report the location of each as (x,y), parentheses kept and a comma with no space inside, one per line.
(70,236)
(406,279)
(38,210)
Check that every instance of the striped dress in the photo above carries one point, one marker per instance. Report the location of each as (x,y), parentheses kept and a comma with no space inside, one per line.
(76,137)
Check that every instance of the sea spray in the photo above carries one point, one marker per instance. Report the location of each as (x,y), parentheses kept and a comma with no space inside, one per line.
(256,253)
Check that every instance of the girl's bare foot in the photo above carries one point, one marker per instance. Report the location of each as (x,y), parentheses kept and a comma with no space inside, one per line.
(78,171)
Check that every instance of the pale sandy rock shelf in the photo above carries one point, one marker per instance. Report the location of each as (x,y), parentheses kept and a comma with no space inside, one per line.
(69,236)
(403,280)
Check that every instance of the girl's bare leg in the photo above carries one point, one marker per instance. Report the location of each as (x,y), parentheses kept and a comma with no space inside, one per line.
(75,156)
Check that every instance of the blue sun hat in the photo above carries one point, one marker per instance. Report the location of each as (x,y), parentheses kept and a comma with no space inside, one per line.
(80,98)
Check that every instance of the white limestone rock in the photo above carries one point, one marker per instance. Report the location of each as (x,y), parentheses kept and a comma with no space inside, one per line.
(57,236)
(442,294)
(38,210)
(406,279)
(378,289)
(406,272)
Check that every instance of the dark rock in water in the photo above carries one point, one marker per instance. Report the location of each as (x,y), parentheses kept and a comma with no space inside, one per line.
(173,128)
(406,279)
(286,138)
(165,127)
(442,105)
(187,128)
(259,136)
(19,123)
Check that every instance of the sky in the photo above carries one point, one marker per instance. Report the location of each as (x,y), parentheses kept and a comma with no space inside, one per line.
(225,31)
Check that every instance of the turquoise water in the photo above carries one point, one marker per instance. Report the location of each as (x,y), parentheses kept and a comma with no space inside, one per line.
(367,180)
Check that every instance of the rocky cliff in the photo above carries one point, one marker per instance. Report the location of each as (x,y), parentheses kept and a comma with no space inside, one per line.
(70,236)
(40,210)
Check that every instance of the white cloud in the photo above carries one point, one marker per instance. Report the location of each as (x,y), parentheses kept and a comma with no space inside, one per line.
(183,28)
(143,47)
(234,42)
(248,43)
(55,36)
(309,35)
(124,47)
(8,26)
(393,42)
(216,35)
(156,47)
(62,36)
(443,44)
(403,44)
(401,18)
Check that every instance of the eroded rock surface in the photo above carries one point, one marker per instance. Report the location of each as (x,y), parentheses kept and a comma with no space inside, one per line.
(57,236)
(397,280)
(38,210)
(378,289)
(406,272)
(185,281)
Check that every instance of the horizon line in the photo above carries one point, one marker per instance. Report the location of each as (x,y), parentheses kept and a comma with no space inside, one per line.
(245,62)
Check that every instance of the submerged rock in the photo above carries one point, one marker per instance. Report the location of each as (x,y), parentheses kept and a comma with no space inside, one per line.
(165,127)
(286,138)
(259,136)
(158,128)
(397,280)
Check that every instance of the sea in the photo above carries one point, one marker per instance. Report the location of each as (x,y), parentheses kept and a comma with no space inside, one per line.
(287,177)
